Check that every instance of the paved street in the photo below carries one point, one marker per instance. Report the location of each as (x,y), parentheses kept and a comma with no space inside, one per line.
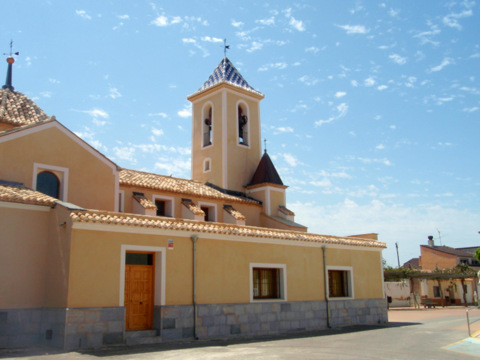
(411,334)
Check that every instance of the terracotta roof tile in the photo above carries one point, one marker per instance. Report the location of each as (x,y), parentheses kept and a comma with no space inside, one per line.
(144,202)
(237,215)
(190,205)
(18,193)
(121,219)
(16,109)
(181,186)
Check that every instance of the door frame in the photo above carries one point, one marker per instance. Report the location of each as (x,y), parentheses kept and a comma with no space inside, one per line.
(158,272)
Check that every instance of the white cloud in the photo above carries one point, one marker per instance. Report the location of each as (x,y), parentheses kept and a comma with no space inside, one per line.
(255,46)
(160,114)
(369,81)
(237,23)
(340,94)
(470,110)
(157,132)
(267,22)
(83,14)
(126,153)
(426,37)
(186,112)
(278,66)
(114,93)
(290,159)
(451,20)
(313,49)
(380,147)
(308,80)
(445,62)
(211,39)
(178,167)
(400,60)
(354,83)
(412,222)
(382,87)
(341,112)
(54,81)
(123,17)
(281,129)
(97,113)
(354,29)
(46,94)
(294,23)
(161,21)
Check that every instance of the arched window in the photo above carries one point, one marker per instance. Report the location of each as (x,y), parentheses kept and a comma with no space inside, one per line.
(49,184)
(242,126)
(207,165)
(207,126)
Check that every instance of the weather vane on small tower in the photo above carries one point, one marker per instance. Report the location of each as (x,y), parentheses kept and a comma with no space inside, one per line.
(225,47)
(10,61)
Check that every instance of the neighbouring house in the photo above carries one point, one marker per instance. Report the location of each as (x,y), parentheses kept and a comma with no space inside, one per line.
(442,274)
(93,254)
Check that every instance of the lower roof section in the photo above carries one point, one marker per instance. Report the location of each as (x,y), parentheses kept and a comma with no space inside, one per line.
(95,219)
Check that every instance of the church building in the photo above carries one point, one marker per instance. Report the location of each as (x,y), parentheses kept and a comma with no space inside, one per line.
(93,254)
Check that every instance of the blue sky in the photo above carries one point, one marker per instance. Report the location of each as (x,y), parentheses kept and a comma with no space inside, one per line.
(371,112)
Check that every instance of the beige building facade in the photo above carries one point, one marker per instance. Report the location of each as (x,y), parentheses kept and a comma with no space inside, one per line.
(133,257)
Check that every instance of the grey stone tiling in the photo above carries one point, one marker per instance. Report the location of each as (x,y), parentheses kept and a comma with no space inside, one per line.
(78,328)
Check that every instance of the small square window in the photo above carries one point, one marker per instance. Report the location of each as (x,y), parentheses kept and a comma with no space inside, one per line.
(164,205)
(268,282)
(340,282)
(210,211)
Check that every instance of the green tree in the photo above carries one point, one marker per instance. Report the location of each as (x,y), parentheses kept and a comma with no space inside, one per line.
(477,254)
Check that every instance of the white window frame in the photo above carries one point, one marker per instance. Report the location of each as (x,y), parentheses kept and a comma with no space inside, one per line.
(282,277)
(60,172)
(211,206)
(350,289)
(170,204)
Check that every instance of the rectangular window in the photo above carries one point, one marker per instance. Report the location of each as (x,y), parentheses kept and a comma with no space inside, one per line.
(165,205)
(436,291)
(209,209)
(160,207)
(265,283)
(268,282)
(340,282)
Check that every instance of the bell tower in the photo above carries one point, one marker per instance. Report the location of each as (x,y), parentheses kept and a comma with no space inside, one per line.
(226,138)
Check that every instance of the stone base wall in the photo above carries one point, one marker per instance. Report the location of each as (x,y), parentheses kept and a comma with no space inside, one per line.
(269,318)
(31,327)
(81,328)
(94,327)
(61,328)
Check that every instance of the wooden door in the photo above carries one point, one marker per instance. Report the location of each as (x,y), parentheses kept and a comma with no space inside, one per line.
(139,297)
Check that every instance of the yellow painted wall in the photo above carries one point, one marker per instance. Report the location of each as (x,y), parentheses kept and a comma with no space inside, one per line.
(23,257)
(34,257)
(95,267)
(91,182)
(222,268)
(366,268)
(277,198)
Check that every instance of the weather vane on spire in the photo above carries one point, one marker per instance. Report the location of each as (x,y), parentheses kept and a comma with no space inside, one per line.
(10,60)
(225,47)
(265,142)
(11,50)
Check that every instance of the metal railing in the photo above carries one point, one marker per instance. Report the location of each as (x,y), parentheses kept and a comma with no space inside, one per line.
(468,318)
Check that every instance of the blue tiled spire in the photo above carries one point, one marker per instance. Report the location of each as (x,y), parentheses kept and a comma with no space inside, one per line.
(225,72)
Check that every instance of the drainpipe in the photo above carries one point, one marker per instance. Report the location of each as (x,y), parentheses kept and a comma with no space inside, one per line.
(195,239)
(324,252)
